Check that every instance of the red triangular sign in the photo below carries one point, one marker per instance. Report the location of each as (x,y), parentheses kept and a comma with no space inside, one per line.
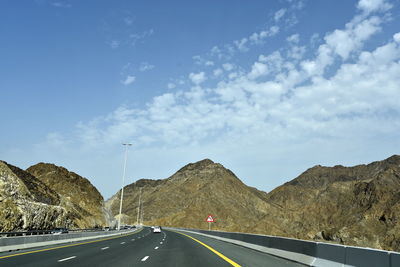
(210,218)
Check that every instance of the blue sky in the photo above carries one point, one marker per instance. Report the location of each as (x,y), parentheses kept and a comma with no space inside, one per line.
(267,88)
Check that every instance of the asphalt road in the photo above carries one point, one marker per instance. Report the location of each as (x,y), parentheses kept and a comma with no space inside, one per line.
(145,248)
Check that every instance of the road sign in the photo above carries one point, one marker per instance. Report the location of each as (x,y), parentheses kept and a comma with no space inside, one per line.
(210,218)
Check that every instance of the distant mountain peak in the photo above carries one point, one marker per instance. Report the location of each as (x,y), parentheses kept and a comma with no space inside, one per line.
(395,159)
(199,165)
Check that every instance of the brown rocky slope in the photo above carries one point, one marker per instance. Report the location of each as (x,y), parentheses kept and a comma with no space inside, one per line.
(187,197)
(27,203)
(46,197)
(77,194)
(350,205)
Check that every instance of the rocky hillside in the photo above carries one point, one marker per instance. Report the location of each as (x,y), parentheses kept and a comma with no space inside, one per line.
(47,196)
(350,205)
(27,203)
(187,197)
(77,195)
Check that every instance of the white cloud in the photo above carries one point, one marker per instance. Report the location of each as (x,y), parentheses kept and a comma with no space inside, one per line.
(295,109)
(128,21)
(344,42)
(396,37)
(259,37)
(373,5)
(136,37)
(199,60)
(227,51)
(279,14)
(171,85)
(60,4)
(294,38)
(296,52)
(241,45)
(233,75)
(228,66)
(145,66)
(197,78)
(114,44)
(217,72)
(216,51)
(258,69)
(129,80)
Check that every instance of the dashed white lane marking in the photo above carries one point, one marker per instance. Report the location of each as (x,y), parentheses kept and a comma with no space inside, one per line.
(69,258)
(122,243)
(160,243)
(133,239)
(105,248)
(156,248)
(145,258)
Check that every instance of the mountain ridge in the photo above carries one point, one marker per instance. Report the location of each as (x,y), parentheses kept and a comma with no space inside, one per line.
(357,205)
(323,203)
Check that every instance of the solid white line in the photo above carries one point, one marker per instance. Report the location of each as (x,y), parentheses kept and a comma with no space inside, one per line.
(67,259)
(145,258)
(156,248)
(105,248)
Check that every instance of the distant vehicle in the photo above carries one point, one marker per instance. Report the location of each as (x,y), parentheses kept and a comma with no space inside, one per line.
(58,231)
(157,229)
(106,228)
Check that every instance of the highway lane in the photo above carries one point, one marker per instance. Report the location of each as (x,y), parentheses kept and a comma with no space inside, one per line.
(146,249)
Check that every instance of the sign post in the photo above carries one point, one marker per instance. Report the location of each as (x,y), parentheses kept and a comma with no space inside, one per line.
(209,219)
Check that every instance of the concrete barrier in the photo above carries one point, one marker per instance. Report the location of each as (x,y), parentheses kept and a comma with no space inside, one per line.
(24,242)
(309,253)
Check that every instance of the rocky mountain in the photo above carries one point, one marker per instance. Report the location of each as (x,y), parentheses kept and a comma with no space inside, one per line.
(77,195)
(350,205)
(187,197)
(357,205)
(27,203)
(45,197)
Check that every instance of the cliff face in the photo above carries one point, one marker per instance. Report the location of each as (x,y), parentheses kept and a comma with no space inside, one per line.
(47,196)
(351,205)
(77,195)
(27,203)
(187,197)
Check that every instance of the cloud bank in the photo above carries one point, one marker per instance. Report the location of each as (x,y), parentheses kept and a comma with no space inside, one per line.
(294,100)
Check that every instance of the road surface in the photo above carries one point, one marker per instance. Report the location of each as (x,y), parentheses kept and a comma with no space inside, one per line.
(145,248)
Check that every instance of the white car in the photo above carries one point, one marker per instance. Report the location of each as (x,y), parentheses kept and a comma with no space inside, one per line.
(157,229)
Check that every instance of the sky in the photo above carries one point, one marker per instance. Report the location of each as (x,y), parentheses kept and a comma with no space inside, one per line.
(266,88)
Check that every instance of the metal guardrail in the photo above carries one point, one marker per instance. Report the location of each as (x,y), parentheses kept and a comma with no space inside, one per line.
(50,231)
(44,232)
(315,253)
(24,242)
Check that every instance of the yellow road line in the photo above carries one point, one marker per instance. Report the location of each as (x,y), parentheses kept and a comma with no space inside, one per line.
(66,246)
(213,250)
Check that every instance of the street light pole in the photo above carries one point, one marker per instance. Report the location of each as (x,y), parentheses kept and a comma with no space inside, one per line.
(138,208)
(123,182)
